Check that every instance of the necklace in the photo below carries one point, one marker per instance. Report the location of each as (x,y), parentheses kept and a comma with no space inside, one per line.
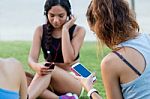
(56,48)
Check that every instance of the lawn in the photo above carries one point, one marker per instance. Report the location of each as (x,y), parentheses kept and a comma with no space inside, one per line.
(90,56)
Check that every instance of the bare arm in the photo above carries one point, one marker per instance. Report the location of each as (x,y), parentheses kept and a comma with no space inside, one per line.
(35,48)
(87,83)
(21,78)
(95,96)
(35,52)
(110,77)
(23,85)
(71,49)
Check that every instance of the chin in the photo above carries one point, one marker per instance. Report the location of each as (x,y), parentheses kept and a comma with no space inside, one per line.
(57,27)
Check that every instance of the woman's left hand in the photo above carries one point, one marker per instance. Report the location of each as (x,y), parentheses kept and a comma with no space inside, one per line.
(69,22)
(87,83)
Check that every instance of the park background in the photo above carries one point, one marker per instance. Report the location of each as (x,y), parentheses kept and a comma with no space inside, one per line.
(19,18)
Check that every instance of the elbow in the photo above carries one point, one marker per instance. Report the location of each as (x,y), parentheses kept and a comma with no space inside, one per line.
(69,60)
(29,62)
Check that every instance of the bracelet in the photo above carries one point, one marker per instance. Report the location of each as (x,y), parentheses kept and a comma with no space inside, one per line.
(91,91)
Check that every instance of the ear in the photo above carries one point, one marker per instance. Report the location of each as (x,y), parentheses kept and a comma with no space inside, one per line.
(44,12)
(67,19)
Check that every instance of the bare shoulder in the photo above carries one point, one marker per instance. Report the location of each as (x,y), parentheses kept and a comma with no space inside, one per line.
(16,64)
(110,64)
(39,30)
(11,64)
(12,60)
(79,30)
(108,60)
(8,60)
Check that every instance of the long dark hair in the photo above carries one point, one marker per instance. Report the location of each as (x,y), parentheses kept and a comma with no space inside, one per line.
(113,21)
(48,5)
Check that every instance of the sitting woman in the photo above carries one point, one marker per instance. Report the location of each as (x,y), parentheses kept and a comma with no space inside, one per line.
(125,70)
(13,83)
(60,40)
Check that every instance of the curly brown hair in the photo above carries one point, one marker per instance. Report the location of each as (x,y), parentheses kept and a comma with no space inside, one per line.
(112,21)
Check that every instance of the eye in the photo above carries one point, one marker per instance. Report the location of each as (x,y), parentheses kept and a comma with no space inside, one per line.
(61,15)
(51,15)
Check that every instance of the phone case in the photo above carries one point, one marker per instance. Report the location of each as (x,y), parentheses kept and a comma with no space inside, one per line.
(50,65)
(77,72)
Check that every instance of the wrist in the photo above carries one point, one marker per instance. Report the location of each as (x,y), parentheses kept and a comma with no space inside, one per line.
(88,88)
(65,28)
(92,91)
(36,67)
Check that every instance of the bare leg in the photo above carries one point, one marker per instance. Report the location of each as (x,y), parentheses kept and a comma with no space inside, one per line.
(39,85)
(63,82)
(48,95)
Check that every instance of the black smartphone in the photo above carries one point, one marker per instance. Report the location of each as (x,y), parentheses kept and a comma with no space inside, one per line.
(80,70)
(50,65)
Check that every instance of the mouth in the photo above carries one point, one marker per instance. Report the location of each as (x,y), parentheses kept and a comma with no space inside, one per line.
(56,24)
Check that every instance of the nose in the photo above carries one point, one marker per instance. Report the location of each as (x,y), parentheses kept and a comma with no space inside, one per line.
(56,19)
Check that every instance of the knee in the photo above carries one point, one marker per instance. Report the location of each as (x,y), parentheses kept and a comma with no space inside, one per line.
(31,97)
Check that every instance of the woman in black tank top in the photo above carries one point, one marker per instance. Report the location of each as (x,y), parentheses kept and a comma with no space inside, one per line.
(60,40)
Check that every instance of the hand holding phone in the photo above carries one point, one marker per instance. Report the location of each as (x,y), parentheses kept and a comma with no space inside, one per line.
(51,65)
(80,70)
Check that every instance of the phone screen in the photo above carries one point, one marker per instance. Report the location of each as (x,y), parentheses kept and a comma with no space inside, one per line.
(82,70)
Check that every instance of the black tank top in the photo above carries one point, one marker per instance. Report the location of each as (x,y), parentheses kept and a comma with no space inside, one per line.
(55,48)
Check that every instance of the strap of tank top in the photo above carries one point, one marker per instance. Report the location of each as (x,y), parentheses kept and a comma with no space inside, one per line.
(125,61)
(71,30)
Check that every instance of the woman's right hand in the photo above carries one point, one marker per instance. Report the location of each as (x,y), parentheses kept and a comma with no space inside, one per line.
(87,83)
(42,70)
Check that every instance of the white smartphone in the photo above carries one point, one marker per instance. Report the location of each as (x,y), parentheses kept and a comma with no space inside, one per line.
(80,70)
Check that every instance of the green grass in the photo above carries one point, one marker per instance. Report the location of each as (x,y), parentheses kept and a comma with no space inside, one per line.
(90,56)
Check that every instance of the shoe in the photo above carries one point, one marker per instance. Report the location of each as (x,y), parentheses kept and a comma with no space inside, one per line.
(69,96)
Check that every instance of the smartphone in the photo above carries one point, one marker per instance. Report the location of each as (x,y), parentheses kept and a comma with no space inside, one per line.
(50,65)
(80,70)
